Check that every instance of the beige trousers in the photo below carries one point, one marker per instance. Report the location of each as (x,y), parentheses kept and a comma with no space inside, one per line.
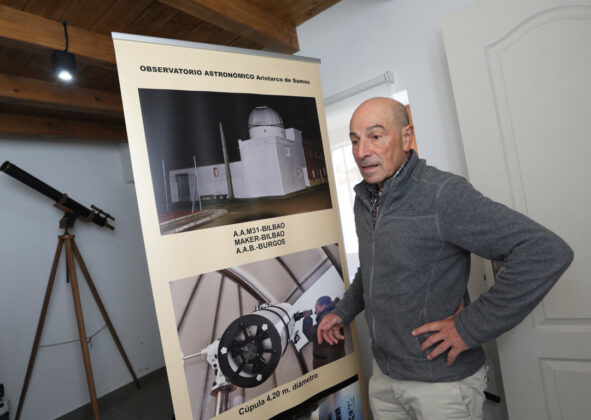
(393,399)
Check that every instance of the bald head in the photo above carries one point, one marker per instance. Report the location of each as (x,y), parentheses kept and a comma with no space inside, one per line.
(397,111)
(381,138)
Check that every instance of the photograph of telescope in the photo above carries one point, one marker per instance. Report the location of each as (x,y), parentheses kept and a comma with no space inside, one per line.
(219,158)
(245,330)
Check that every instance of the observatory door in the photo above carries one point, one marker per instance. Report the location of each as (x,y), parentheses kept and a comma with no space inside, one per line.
(184,190)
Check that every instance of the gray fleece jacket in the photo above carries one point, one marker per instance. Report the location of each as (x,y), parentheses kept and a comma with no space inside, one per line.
(415,265)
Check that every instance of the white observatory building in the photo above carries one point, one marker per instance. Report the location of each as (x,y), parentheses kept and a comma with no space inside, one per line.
(272,163)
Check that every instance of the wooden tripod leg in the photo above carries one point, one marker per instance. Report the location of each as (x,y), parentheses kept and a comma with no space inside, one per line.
(103,310)
(81,329)
(56,259)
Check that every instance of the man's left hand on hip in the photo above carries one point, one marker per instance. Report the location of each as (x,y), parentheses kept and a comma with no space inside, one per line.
(446,334)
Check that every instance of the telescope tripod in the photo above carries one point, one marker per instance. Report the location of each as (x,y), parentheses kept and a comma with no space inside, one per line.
(71,253)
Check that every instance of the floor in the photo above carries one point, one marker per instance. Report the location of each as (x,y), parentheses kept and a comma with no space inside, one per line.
(150,402)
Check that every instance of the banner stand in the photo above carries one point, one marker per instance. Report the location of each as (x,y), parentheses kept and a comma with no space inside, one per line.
(238,208)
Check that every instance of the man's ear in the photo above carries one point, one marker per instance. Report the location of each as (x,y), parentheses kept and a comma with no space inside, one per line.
(407,134)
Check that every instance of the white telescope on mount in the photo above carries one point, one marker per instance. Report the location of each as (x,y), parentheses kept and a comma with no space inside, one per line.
(250,348)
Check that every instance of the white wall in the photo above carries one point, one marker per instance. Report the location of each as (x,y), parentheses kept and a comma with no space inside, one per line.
(90,173)
(261,167)
(358,40)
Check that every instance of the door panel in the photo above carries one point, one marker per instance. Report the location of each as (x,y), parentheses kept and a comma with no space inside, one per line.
(522,86)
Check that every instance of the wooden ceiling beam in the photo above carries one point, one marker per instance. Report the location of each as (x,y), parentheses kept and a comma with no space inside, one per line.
(15,89)
(244,19)
(61,128)
(18,27)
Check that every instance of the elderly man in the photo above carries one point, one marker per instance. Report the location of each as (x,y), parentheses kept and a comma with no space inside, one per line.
(417,226)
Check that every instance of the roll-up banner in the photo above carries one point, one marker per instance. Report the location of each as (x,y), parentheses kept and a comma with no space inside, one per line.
(239,215)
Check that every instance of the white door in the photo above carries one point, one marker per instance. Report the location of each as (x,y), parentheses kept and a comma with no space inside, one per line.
(521,75)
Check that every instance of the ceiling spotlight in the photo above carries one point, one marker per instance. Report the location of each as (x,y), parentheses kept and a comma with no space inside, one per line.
(63,62)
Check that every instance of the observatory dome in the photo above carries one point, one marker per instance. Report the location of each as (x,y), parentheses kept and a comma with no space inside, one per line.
(263,115)
(264,122)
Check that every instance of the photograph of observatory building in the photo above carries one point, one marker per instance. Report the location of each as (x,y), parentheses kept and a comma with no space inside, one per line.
(221,158)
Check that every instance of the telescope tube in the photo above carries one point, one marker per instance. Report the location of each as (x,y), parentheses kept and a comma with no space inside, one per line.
(40,186)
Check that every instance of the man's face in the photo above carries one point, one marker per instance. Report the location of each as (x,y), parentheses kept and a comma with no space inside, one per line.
(380,147)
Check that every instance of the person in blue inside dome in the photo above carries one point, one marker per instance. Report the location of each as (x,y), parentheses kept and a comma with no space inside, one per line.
(323,352)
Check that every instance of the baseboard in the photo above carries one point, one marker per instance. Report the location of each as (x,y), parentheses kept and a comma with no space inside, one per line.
(113,397)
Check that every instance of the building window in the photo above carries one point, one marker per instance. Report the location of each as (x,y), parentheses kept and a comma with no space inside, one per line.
(287,151)
(300,173)
(215,172)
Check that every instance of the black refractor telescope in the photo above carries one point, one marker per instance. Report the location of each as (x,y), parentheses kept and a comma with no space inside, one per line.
(73,208)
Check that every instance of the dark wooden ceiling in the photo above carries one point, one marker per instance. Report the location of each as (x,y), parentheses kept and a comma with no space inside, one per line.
(34,103)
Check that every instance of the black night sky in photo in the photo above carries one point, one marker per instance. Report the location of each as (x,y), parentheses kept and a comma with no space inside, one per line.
(181,124)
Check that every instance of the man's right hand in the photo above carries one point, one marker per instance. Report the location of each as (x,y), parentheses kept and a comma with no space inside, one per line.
(329,329)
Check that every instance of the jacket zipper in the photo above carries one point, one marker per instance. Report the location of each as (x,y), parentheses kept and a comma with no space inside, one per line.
(373,216)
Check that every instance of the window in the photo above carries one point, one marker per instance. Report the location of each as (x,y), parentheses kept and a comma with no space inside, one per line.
(287,151)
(215,172)
(345,169)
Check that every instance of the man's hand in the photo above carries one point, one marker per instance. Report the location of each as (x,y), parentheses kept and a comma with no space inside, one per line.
(329,329)
(446,335)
